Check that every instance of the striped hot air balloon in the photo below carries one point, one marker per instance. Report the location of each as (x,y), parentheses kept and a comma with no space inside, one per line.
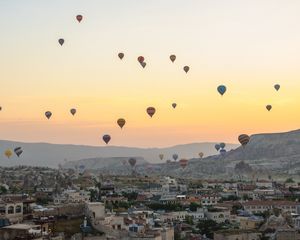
(244,139)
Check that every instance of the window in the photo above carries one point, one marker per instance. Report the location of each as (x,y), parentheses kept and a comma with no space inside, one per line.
(18,209)
(10,210)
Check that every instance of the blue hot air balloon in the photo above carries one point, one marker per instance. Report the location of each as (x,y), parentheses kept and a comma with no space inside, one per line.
(217,147)
(221,89)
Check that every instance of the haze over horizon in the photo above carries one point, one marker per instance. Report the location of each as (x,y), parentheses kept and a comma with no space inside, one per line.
(248,46)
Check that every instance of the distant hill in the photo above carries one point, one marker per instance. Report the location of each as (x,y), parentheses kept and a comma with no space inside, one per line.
(276,152)
(45,154)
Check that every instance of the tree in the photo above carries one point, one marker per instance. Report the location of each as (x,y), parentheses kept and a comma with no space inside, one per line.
(194,206)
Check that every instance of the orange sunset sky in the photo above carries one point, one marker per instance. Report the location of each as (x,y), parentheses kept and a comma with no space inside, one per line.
(246,45)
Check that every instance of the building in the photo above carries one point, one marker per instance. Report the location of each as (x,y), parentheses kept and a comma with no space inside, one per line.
(11,210)
(237,235)
(257,206)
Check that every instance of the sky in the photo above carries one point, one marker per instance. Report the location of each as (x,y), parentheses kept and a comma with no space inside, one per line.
(246,45)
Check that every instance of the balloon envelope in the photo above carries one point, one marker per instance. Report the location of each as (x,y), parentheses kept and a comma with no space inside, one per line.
(61,41)
(48,114)
(121,55)
(151,111)
(269,107)
(222,89)
(186,69)
(183,163)
(141,59)
(201,154)
(143,64)
(18,151)
(174,105)
(222,145)
(277,87)
(161,156)
(8,153)
(217,147)
(121,122)
(132,162)
(73,111)
(79,18)
(106,138)
(172,57)
(244,139)
(175,156)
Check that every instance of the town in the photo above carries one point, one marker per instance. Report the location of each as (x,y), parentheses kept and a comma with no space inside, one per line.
(58,204)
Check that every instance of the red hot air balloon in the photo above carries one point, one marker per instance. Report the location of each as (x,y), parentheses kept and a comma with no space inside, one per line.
(48,114)
(183,163)
(244,139)
(61,41)
(79,18)
(186,69)
(121,55)
(151,111)
(121,122)
(106,138)
(141,59)
(269,107)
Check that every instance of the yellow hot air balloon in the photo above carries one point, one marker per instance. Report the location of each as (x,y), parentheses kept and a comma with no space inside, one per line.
(8,153)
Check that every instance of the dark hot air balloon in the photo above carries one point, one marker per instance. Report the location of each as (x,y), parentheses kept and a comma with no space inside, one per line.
(132,162)
(143,64)
(73,111)
(222,152)
(277,87)
(48,114)
(151,111)
(173,57)
(18,151)
(121,55)
(222,89)
(121,122)
(106,138)
(175,156)
(141,59)
(269,107)
(79,18)
(201,154)
(61,41)
(217,147)
(222,145)
(174,105)
(186,69)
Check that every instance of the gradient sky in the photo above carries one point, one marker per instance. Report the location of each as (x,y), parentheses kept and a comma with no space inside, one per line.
(247,45)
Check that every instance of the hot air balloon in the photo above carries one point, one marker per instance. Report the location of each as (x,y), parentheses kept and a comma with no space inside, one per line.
(161,156)
(143,64)
(222,145)
(79,18)
(48,114)
(141,59)
(121,55)
(174,105)
(217,147)
(183,163)
(201,154)
(222,89)
(0,108)
(172,57)
(106,138)
(244,139)
(277,87)
(175,156)
(121,122)
(168,161)
(8,153)
(18,151)
(73,111)
(222,152)
(151,111)
(186,69)
(132,162)
(269,107)
(61,41)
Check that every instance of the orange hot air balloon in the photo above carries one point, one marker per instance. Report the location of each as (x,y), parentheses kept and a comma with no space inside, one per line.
(79,18)
(269,107)
(8,153)
(186,69)
(244,139)
(173,57)
(121,55)
(121,122)
(141,59)
(151,111)
(183,163)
